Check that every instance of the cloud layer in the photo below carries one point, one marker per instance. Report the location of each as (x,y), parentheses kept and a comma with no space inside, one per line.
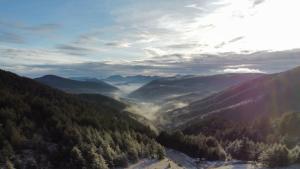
(260,62)
(154,37)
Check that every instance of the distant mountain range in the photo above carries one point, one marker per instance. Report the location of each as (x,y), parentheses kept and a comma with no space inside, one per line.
(267,96)
(118,79)
(188,87)
(94,86)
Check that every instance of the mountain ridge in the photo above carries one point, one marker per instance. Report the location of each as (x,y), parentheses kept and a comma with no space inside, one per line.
(166,88)
(118,79)
(75,86)
(274,93)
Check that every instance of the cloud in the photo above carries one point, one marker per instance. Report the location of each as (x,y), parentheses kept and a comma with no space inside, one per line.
(39,28)
(8,37)
(42,28)
(162,25)
(163,38)
(236,39)
(195,6)
(74,49)
(222,44)
(184,45)
(257,2)
(238,66)
(118,44)
(182,22)
(26,57)
(242,70)
(178,27)
(168,65)
(153,52)
(13,32)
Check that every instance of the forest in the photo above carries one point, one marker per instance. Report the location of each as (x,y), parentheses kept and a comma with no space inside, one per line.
(41,127)
(272,142)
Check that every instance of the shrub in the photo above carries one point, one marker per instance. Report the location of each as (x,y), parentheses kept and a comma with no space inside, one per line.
(245,149)
(198,146)
(275,156)
(234,148)
(121,161)
(216,153)
(295,154)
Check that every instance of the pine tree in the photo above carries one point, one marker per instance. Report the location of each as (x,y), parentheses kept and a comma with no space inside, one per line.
(161,152)
(77,159)
(9,165)
(94,160)
(275,156)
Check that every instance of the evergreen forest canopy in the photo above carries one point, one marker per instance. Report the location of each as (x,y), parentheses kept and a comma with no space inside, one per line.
(41,127)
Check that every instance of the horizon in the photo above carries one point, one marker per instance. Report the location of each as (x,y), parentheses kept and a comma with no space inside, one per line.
(100,38)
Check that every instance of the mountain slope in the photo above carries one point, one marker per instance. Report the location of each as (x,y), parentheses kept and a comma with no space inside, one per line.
(73,86)
(118,79)
(265,97)
(189,86)
(41,127)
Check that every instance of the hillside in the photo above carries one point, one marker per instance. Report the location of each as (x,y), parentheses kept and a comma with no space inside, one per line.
(257,120)
(188,87)
(103,100)
(265,97)
(74,86)
(41,127)
(128,84)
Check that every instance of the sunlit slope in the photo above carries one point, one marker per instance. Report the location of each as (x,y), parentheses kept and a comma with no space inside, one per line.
(267,96)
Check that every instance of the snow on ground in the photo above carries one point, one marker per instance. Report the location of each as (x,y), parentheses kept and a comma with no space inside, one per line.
(239,166)
(173,160)
(181,159)
(178,160)
(250,166)
(154,164)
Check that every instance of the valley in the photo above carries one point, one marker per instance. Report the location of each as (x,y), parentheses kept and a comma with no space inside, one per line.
(246,117)
(194,123)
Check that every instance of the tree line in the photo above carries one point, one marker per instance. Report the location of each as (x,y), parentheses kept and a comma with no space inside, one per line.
(272,142)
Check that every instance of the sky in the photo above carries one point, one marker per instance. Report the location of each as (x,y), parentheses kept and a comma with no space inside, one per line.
(98,38)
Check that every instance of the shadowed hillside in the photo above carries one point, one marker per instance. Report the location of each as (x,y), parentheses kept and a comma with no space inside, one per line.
(73,86)
(41,127)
